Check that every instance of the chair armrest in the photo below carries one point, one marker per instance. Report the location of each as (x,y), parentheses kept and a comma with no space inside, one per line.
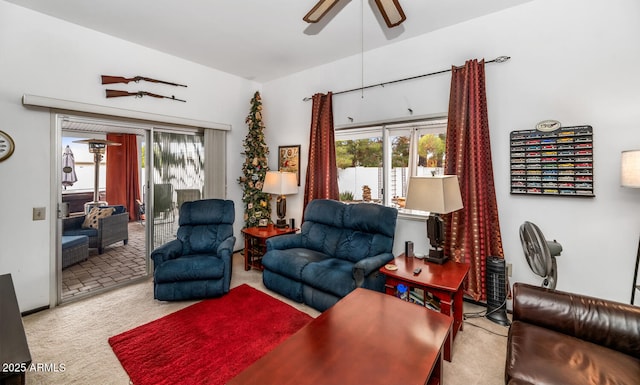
(607,323)
(72,223)
(225,249)
(113,228)
(368,265)
(282,242)
(169,250)
(225,253)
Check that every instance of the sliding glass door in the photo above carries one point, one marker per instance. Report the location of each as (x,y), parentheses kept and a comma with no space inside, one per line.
(178,176)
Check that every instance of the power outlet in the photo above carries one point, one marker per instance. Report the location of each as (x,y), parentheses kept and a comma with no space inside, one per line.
(39,213)
(509,269)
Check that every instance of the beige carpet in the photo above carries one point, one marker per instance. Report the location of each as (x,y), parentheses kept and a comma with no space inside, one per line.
(71,340)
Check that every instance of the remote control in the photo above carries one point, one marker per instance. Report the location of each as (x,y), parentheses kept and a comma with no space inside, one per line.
(417,270)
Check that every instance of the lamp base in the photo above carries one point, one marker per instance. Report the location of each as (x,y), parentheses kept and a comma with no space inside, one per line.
(436,256)
(281,223)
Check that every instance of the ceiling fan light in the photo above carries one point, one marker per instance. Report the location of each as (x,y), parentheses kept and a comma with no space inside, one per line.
(391,12)
(319,10)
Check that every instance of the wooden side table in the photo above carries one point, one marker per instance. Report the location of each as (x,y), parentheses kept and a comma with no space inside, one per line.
(255,243)
(443,281)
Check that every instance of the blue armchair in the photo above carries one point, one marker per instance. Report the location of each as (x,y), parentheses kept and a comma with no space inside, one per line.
(340,247)
(198,263)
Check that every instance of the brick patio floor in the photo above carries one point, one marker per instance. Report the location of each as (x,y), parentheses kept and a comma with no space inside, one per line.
(116,265)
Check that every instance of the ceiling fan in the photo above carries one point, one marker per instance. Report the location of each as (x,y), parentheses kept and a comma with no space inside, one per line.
(390,9)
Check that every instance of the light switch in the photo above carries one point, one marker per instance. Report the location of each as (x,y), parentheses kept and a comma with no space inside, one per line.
(39,213)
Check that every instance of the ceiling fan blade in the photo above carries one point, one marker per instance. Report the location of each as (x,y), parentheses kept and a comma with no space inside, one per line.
(319,10)
(391,12)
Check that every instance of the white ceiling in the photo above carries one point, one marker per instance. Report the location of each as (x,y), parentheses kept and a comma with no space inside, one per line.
(260,40)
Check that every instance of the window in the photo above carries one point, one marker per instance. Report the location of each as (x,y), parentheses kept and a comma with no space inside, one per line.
(380,158)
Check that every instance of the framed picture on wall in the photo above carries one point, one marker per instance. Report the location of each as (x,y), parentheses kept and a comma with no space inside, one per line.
(289,160)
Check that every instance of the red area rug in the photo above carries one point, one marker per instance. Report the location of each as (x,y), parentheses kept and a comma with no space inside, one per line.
(209,342)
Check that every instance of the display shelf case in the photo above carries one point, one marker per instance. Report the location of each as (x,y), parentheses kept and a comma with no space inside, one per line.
(558,163)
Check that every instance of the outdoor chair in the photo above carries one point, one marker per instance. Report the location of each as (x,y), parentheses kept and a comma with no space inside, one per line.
(198,263)
(107,230)
(163,204)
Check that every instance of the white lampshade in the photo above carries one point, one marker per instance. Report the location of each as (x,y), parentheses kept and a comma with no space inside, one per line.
(280,183)
(630,169)
(437,194)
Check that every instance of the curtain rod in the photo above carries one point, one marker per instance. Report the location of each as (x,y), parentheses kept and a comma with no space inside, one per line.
(499,59)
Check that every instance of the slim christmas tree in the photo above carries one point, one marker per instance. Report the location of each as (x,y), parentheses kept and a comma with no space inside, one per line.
(257,205)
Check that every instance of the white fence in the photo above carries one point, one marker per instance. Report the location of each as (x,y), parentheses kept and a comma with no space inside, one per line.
(352,179)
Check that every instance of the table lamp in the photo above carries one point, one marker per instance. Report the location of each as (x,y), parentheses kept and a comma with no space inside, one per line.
(281,184)
(630,169)
(437,195)
(630,177)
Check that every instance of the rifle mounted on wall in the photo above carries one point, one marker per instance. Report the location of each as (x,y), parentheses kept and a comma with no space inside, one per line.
(106,79)
(139,94)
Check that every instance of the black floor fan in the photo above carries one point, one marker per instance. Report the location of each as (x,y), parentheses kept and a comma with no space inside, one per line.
(496,284)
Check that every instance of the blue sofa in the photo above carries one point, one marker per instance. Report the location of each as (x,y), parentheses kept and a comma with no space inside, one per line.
(340,247)
(198,263)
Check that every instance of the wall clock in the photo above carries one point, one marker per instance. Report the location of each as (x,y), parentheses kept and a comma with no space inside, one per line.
(6,146)
(548,125)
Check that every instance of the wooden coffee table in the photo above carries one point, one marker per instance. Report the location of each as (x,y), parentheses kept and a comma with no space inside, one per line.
(443,281)
(255,239)
(366,338)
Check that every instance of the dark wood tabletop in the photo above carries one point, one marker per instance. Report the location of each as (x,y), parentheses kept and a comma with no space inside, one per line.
(14,350)
(366,338)
(448,276)
(268,231)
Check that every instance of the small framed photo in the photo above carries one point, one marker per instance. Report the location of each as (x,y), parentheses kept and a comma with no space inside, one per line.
(289,159)
(263,222)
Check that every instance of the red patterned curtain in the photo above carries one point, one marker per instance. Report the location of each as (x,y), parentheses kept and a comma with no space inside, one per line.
(123,182)
(322,172)
(473,233)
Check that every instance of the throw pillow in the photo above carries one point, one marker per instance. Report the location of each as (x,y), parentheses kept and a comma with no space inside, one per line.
(91,220)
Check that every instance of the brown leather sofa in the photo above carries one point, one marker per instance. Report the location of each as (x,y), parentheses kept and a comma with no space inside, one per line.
(566,339)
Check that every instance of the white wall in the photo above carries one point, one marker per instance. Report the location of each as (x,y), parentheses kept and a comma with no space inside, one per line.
(573,61)
(44,56)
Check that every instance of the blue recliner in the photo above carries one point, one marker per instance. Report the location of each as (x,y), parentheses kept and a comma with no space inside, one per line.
(340,247)
(198,263)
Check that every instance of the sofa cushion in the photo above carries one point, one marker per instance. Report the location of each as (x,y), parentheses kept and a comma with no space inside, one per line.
(350,232)
(90,232)
(198,239)
(332,275)
(70,241)
(190,268)
(291,262)
(204,225)
(96,213)
(543,356)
